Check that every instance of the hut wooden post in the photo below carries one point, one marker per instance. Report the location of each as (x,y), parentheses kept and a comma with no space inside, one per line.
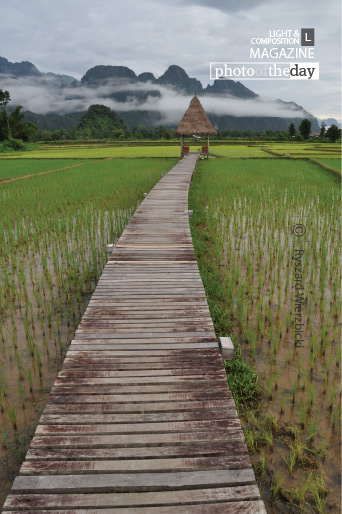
(208,146)
(182,144)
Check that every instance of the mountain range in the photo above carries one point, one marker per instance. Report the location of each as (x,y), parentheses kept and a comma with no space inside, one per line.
(59,101)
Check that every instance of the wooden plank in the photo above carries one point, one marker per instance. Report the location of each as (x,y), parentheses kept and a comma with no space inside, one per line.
(109,406)
(137,417)
(241,507)
(138,428)
(209,448)
(129,402)
(160,465)
(155,373)
(193,496)
(187,387)
(132,481)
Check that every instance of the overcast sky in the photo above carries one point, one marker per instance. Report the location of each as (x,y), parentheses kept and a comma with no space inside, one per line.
(71,36)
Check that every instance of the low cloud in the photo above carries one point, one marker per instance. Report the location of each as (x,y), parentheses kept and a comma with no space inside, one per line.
(43,95)
(227,5)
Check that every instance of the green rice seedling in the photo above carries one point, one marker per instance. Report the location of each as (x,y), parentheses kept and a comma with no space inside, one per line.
(276,376)
(282,404)
(250,441)
(312,425)
(326,345)
(300,368)
(312,360)
(3,383)
(269,387)
(330,362)
(266,437)
(302,413)
(261,466)
(298,495)
(336,415)
(30,379)
(294,388)
(322,451)
(319,491)
(310,397)
(276,483)
(338,355)
(305,380)
(332,396)
(289,356)
(13,416)
(21,394)
(38,360)
(291,460)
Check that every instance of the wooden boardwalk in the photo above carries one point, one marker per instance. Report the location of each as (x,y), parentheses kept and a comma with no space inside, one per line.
(142,407)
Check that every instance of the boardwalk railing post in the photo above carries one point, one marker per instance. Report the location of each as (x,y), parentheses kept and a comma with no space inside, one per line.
(227,348)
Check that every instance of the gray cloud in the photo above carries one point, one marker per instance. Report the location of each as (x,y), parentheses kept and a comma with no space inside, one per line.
(227,5)
(42,96)
(71,36)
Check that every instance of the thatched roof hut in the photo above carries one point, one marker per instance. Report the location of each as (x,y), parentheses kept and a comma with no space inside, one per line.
(195,121)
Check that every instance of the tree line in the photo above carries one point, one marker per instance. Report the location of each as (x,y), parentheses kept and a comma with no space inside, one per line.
(332,133)
(100,122)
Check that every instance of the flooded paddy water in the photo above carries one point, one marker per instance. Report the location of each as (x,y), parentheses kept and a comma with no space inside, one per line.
(274,228)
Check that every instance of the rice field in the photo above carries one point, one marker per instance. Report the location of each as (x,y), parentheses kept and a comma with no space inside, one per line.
(334,163)
(316,150)
(99,152)
(54,230)
(10,169)
(237,151)
(232,149)
(271,228)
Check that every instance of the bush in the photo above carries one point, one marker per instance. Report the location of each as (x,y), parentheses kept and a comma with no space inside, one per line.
(15,145)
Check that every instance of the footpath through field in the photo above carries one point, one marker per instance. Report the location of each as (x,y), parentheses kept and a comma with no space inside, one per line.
(142,406)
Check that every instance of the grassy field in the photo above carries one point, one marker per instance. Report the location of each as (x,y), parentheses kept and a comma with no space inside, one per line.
(306,149)
(239,151)
(247,226)
(100,152)
(232,149)
(22,167)
(334,163)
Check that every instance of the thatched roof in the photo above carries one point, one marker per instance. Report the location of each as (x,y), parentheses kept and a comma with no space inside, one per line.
(195,120)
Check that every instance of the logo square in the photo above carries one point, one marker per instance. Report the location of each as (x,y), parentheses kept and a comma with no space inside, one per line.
(308,37)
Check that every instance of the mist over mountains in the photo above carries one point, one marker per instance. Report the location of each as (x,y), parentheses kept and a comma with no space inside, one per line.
(54,101)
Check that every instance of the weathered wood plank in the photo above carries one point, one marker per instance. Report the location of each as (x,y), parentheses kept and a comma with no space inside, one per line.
(235,447)
(129,402)
(132,481)
(110,406)
(137,417)
(241,507)
(181,372)
(244,492)
(135,465)
(140,428)
(219,388)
